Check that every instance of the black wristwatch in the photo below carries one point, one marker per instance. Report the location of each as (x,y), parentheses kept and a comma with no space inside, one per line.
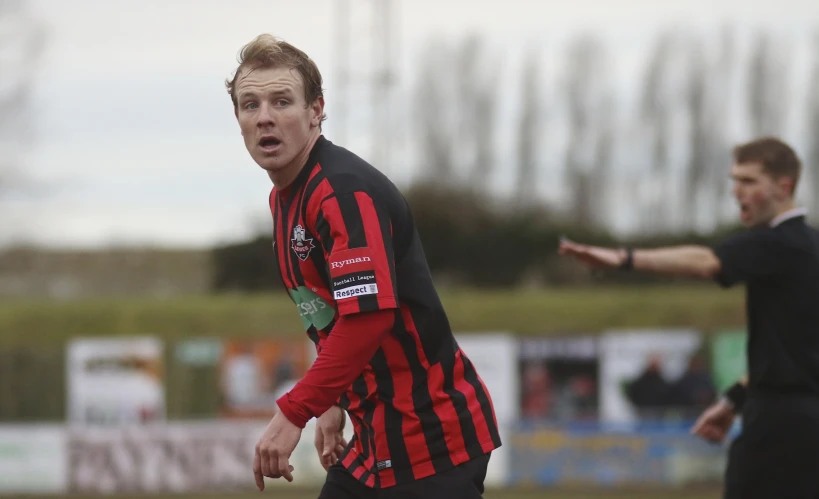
(736,395)
(628,262)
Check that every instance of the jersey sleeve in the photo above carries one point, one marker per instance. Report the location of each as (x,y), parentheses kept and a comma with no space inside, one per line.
(750,255)
(356,235)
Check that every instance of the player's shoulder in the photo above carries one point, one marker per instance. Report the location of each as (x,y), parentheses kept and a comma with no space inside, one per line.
(347,172)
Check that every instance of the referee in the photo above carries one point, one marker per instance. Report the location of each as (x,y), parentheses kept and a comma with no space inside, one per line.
(777,258)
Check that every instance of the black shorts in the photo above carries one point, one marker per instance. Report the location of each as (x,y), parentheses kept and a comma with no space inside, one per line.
(777,453)
(464,481)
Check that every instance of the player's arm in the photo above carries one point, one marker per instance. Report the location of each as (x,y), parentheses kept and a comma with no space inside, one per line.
(356,237)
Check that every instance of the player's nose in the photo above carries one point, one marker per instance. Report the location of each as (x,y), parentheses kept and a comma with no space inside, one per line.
(264,118)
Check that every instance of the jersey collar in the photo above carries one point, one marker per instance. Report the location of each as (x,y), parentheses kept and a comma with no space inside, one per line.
(304,174)
(793,213)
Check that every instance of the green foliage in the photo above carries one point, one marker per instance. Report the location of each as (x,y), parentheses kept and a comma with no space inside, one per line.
(468,242)
(520,311)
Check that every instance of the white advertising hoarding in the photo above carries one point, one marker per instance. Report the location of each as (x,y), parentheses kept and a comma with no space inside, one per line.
(33,459)
(180,457)
(115,381)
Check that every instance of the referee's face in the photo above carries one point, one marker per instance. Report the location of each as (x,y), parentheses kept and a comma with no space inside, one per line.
(757,194)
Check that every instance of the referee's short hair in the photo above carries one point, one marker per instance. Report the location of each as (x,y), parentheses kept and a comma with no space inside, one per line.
(777,158)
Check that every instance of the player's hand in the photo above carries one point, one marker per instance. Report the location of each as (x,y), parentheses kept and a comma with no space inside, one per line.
(594,256)
(274,449)
(713,425)
(329,441)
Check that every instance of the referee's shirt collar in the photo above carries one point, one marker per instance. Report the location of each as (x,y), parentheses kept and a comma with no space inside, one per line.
(792,213)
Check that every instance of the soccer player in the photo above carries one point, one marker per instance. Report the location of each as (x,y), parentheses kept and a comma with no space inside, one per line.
(777,258)
(352,262)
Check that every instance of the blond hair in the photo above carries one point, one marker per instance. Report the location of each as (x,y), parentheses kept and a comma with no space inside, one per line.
(265,52)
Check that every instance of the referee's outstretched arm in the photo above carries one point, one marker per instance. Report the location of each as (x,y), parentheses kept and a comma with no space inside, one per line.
(692,261)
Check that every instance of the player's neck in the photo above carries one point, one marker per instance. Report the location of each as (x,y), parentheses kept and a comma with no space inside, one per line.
(284,177)
(784,208)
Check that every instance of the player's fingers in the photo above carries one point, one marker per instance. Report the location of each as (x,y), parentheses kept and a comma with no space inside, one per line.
(318,441)
(257,472)
(327,448)
(284,468)
(326,462)
(268,462)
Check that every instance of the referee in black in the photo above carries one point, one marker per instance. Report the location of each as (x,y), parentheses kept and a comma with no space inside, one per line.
(777,258)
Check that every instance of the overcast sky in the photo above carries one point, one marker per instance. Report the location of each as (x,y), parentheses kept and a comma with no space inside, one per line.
(136,138)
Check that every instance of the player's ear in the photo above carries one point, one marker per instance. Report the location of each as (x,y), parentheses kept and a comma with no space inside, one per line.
(317,109)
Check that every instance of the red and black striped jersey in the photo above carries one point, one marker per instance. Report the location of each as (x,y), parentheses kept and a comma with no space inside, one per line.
(347,247)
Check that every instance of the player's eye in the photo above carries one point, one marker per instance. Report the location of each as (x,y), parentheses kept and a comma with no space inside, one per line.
(281,103)
(250,105)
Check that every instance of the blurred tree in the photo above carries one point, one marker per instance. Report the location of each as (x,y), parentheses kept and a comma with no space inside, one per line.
(530,132)
(434,112)
(589,122)
(656,115)
(716,183)
(767,86)
(22,40)
(245,266)
(701,132)
(456,113)
(479,83)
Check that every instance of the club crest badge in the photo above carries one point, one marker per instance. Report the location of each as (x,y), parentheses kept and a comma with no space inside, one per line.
(301,244)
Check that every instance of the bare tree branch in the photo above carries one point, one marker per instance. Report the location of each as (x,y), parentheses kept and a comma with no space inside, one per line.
(767,80)
(586,96)
(656,113)
(529,132)
(21,44)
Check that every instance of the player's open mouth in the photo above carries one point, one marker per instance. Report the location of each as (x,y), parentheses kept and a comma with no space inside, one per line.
(269,143)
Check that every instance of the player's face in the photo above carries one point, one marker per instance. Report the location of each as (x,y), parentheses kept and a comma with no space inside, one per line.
(757,193)
(276,122)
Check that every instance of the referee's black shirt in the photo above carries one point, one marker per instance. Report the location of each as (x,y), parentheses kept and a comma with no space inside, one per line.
(780,266)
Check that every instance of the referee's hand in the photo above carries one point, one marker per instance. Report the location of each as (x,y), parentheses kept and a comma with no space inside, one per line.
(715,423)
(592,256)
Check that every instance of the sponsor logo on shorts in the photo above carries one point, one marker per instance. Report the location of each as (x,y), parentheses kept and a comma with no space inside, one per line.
(352,291)
(383,465)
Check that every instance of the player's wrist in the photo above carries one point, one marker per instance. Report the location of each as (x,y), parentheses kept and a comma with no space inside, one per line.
(290,412)
(343,417)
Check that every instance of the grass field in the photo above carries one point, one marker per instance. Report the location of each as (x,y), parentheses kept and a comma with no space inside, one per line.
(522,312)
